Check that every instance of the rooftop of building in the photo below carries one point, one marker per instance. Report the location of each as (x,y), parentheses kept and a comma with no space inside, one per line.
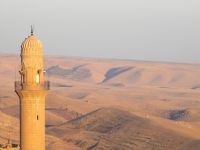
(9,146)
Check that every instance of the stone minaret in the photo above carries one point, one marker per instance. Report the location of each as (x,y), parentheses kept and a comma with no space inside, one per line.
(32,90)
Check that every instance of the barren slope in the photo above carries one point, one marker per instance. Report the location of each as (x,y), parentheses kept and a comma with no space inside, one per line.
(111,128)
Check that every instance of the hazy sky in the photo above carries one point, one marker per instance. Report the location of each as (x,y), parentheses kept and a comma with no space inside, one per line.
(161,30)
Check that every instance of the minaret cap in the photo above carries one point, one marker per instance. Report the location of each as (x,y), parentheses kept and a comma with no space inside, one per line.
(31,45)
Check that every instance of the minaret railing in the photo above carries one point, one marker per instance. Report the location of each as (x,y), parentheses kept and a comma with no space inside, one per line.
(41,86)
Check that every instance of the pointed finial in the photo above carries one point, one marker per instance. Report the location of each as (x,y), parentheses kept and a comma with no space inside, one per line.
(32,30)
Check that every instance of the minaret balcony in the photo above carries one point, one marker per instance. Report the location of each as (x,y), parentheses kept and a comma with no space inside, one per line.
(23,86)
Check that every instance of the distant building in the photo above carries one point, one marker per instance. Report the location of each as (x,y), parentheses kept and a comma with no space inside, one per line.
(32,90)
(9,146)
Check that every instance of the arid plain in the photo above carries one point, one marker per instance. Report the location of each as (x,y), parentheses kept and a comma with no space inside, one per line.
(107,104)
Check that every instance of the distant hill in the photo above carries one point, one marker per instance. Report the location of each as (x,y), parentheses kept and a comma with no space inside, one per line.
(128,73)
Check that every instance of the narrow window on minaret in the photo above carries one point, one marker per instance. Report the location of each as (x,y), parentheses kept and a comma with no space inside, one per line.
(37,117)
(37,78)
(23,78)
